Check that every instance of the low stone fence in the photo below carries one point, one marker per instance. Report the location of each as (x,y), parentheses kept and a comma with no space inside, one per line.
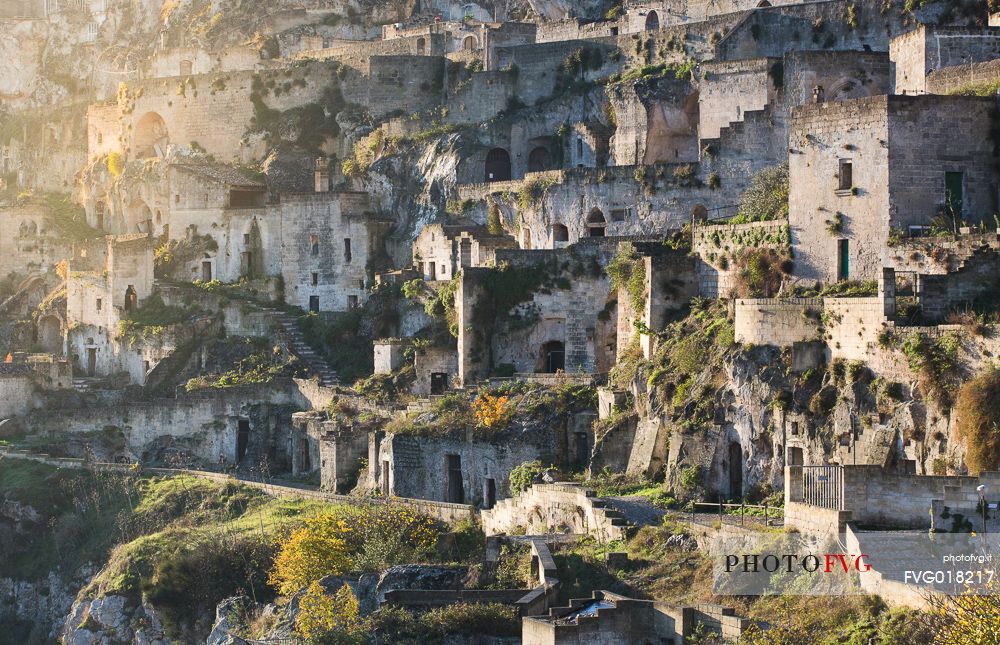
(873,496)
(562,507)
(444,511)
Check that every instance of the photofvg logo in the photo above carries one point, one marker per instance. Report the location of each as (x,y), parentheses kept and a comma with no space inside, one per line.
(855,562)
(789,570)
(832,563)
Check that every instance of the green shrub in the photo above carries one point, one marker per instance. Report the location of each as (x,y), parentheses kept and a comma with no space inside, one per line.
(522,476)
(766,198)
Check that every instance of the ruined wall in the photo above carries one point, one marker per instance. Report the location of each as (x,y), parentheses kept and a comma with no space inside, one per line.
(769,321)
(717,246)
(418,466)
(928,48)
(728,89)
(950,79)
(564,312)
(560,508)
(202,426)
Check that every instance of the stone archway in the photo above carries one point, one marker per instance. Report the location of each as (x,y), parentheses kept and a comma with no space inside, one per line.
(539,159)
(497,165)
(151,136)
(470,43)
(652,21)
(50,334)
(596,223)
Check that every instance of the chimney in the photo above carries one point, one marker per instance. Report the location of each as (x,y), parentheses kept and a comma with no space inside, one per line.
(322,175)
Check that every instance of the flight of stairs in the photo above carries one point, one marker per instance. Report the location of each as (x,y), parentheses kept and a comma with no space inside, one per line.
(313,362)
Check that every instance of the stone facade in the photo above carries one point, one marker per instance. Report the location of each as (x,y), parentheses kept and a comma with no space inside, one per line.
(855,173)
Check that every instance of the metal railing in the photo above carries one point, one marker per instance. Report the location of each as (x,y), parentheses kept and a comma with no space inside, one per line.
(823,486)
(772,514)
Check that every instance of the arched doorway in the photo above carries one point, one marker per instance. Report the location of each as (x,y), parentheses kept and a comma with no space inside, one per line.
(699,213)
(596,224)
(497,165)
(50,334)
(131,299)
(560,233)
(151,136)
(763,3)
(470,43)
(553,356)
(539,159)
(652,21)
(735,470)
(421,46)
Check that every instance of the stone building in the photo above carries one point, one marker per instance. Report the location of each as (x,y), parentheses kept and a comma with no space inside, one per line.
(540,312)
(97,300)
(330,243)
(440,251)
(861,168)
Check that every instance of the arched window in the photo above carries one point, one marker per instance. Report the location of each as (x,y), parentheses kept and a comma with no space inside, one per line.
(421,46)
(497,165)
(539,159)
(151,136)
(652,21)
(596,224)
(470,43)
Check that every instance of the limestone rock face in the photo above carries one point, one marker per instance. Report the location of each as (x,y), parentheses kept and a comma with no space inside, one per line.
(415,576)
(111,620)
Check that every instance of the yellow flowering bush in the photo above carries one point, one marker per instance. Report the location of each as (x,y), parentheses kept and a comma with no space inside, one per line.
(312,551)
(329,619)
(492,411)
(352,538)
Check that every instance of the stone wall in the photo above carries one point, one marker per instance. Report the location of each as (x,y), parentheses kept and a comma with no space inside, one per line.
(717,245)
(781,322)
(417,467)
(561,508)
(728,89)
(930,48)
(950,79)
(202,426)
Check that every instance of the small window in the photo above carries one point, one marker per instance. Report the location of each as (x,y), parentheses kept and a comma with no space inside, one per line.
(100,138)
(177,199)
(795,427)
(347,250)
(314,244)
(315,279)
(845,175)
(246,238)
(352,302)
(99,304)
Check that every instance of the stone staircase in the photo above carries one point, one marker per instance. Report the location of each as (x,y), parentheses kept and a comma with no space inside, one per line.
(315,364)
